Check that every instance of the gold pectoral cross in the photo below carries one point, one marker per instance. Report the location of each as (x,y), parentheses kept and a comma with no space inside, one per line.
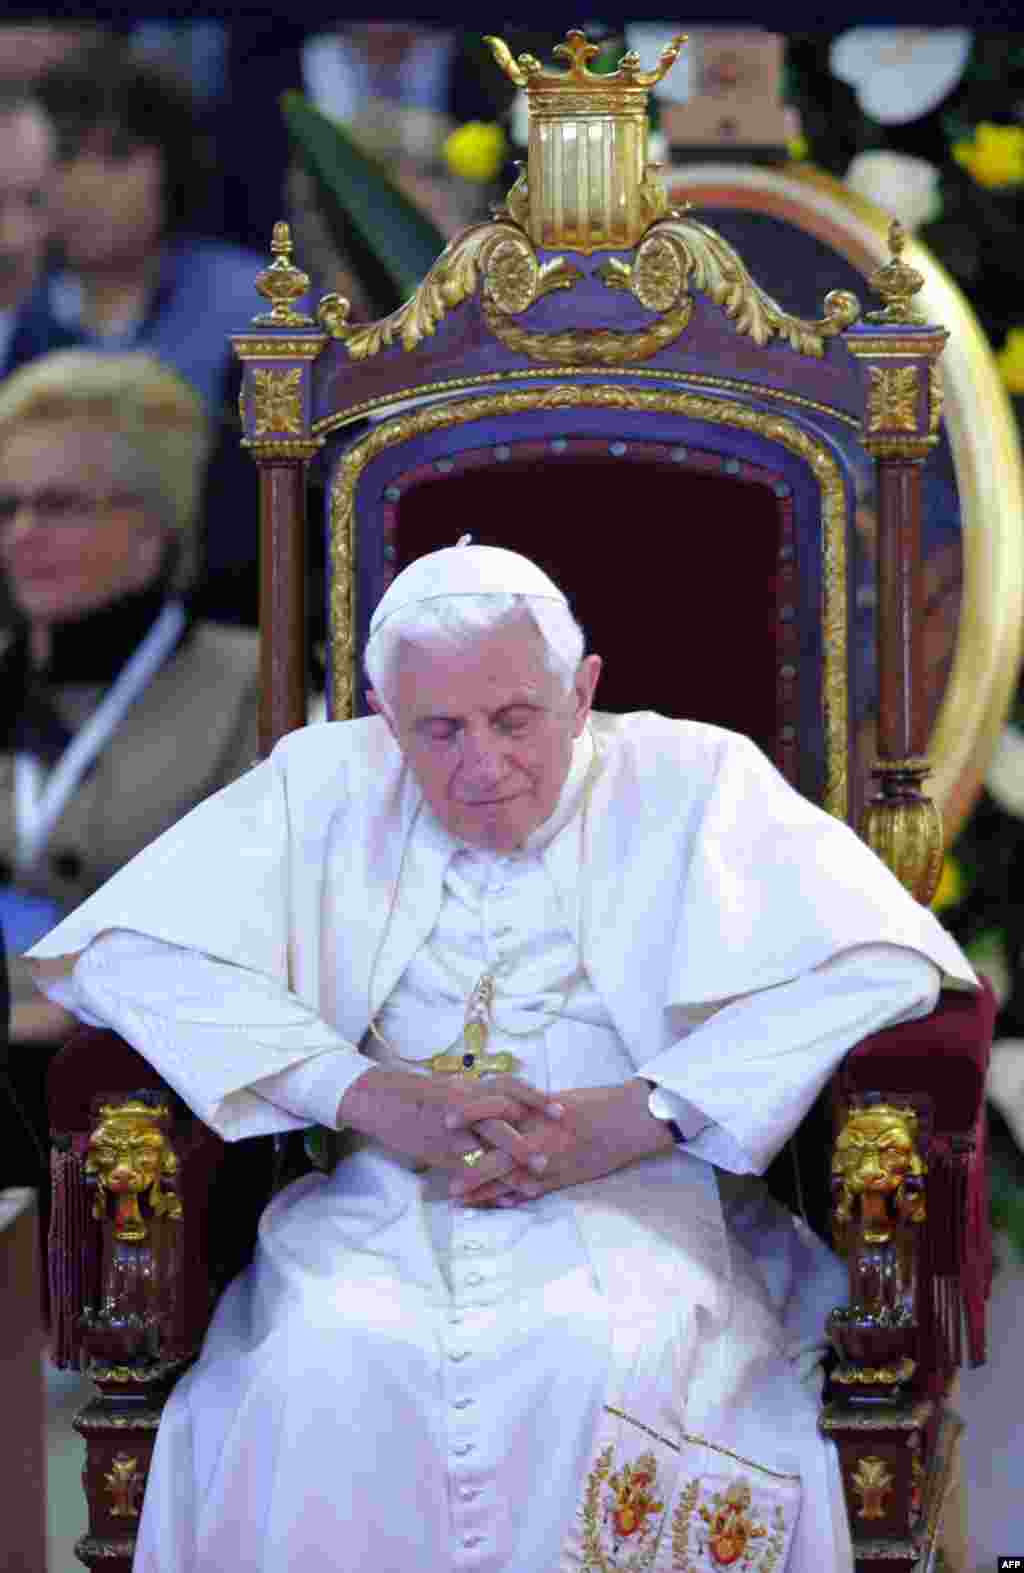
(468,1056)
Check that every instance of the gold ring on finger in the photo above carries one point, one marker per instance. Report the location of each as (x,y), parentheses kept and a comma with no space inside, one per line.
(471,1159)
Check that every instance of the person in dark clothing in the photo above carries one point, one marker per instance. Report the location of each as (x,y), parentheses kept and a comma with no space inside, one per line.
(132,182)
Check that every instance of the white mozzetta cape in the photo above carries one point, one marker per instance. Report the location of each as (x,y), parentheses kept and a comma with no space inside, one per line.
(705,878)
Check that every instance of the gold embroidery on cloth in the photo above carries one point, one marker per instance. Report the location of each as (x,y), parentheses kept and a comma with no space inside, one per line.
(727,1530)
(700,1441)
(681,1528)
(621,1514)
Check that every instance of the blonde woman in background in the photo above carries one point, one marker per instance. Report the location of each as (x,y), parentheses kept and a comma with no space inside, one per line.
(119,711)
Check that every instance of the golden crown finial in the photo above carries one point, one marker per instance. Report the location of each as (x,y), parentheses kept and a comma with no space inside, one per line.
(588,185)
(896,282)
(528,72)
(282,283)
(577,51)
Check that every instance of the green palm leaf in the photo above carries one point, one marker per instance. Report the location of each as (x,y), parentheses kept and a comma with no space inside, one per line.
(391,242)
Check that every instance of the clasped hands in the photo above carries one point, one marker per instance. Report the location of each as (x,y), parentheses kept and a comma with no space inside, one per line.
(533,1142)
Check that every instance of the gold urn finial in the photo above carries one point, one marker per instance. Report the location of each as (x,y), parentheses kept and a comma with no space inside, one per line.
(588,185)
(896,282)
(282,283)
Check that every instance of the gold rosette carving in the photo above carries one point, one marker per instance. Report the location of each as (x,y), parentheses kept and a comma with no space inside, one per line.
(513,274)
(678,254)
(498,256)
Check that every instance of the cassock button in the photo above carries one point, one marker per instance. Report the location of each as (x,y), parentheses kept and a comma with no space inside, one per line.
(458,1354)
(474,1278)
(471,1540)
(461,1403)
(462,1448)
(467,1493)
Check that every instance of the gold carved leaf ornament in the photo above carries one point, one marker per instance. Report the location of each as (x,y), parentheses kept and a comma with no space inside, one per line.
(873,1483)
(936,397)
(518,280)
(499,259)
(893,394)
(277,401)
(124,1486)
(678,253)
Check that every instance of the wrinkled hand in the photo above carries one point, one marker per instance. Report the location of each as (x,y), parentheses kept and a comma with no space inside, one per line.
(604,1129)
(425,1118)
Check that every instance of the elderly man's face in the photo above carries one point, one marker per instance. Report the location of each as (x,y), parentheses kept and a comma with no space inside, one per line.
(25,174)
(488,730)
(71,539)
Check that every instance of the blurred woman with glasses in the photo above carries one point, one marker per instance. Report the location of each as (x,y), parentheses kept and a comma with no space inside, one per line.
(119,710)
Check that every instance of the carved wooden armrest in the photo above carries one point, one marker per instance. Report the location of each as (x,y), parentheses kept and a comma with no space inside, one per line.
(129,1240)
(132,1264)
(897,1186)
(878,1210)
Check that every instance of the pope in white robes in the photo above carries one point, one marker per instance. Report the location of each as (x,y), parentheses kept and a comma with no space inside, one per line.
(566,979)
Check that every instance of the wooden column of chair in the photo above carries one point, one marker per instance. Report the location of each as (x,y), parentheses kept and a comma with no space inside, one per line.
(897,1440)
(899,354)
(275,406)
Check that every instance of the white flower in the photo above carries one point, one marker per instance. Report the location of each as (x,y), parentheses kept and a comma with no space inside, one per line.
(1005,1085)
(906,188)
(1005,776)
(519,120)
(657,147)
(649,39)
(899,74)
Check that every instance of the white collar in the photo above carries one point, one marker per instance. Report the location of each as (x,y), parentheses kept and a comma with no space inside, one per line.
(570,799)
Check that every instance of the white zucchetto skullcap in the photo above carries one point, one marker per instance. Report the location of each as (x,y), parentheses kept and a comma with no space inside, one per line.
(463,570)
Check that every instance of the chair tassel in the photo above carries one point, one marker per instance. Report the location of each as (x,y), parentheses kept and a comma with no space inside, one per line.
(73,1265)
(976,1272)
(956,1265)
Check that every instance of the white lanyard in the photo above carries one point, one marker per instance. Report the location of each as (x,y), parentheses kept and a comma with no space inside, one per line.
(37,808)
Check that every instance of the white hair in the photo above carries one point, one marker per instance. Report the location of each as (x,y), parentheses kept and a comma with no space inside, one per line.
(461,619)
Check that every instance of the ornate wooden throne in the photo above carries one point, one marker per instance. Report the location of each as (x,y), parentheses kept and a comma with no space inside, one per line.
(595,378)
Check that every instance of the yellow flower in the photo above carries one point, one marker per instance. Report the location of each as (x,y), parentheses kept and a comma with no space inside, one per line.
(951,886)
(996,155)
(797,148)
(475,151)
(1010,361)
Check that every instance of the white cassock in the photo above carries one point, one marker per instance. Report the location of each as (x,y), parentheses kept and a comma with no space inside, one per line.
(607,1377)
